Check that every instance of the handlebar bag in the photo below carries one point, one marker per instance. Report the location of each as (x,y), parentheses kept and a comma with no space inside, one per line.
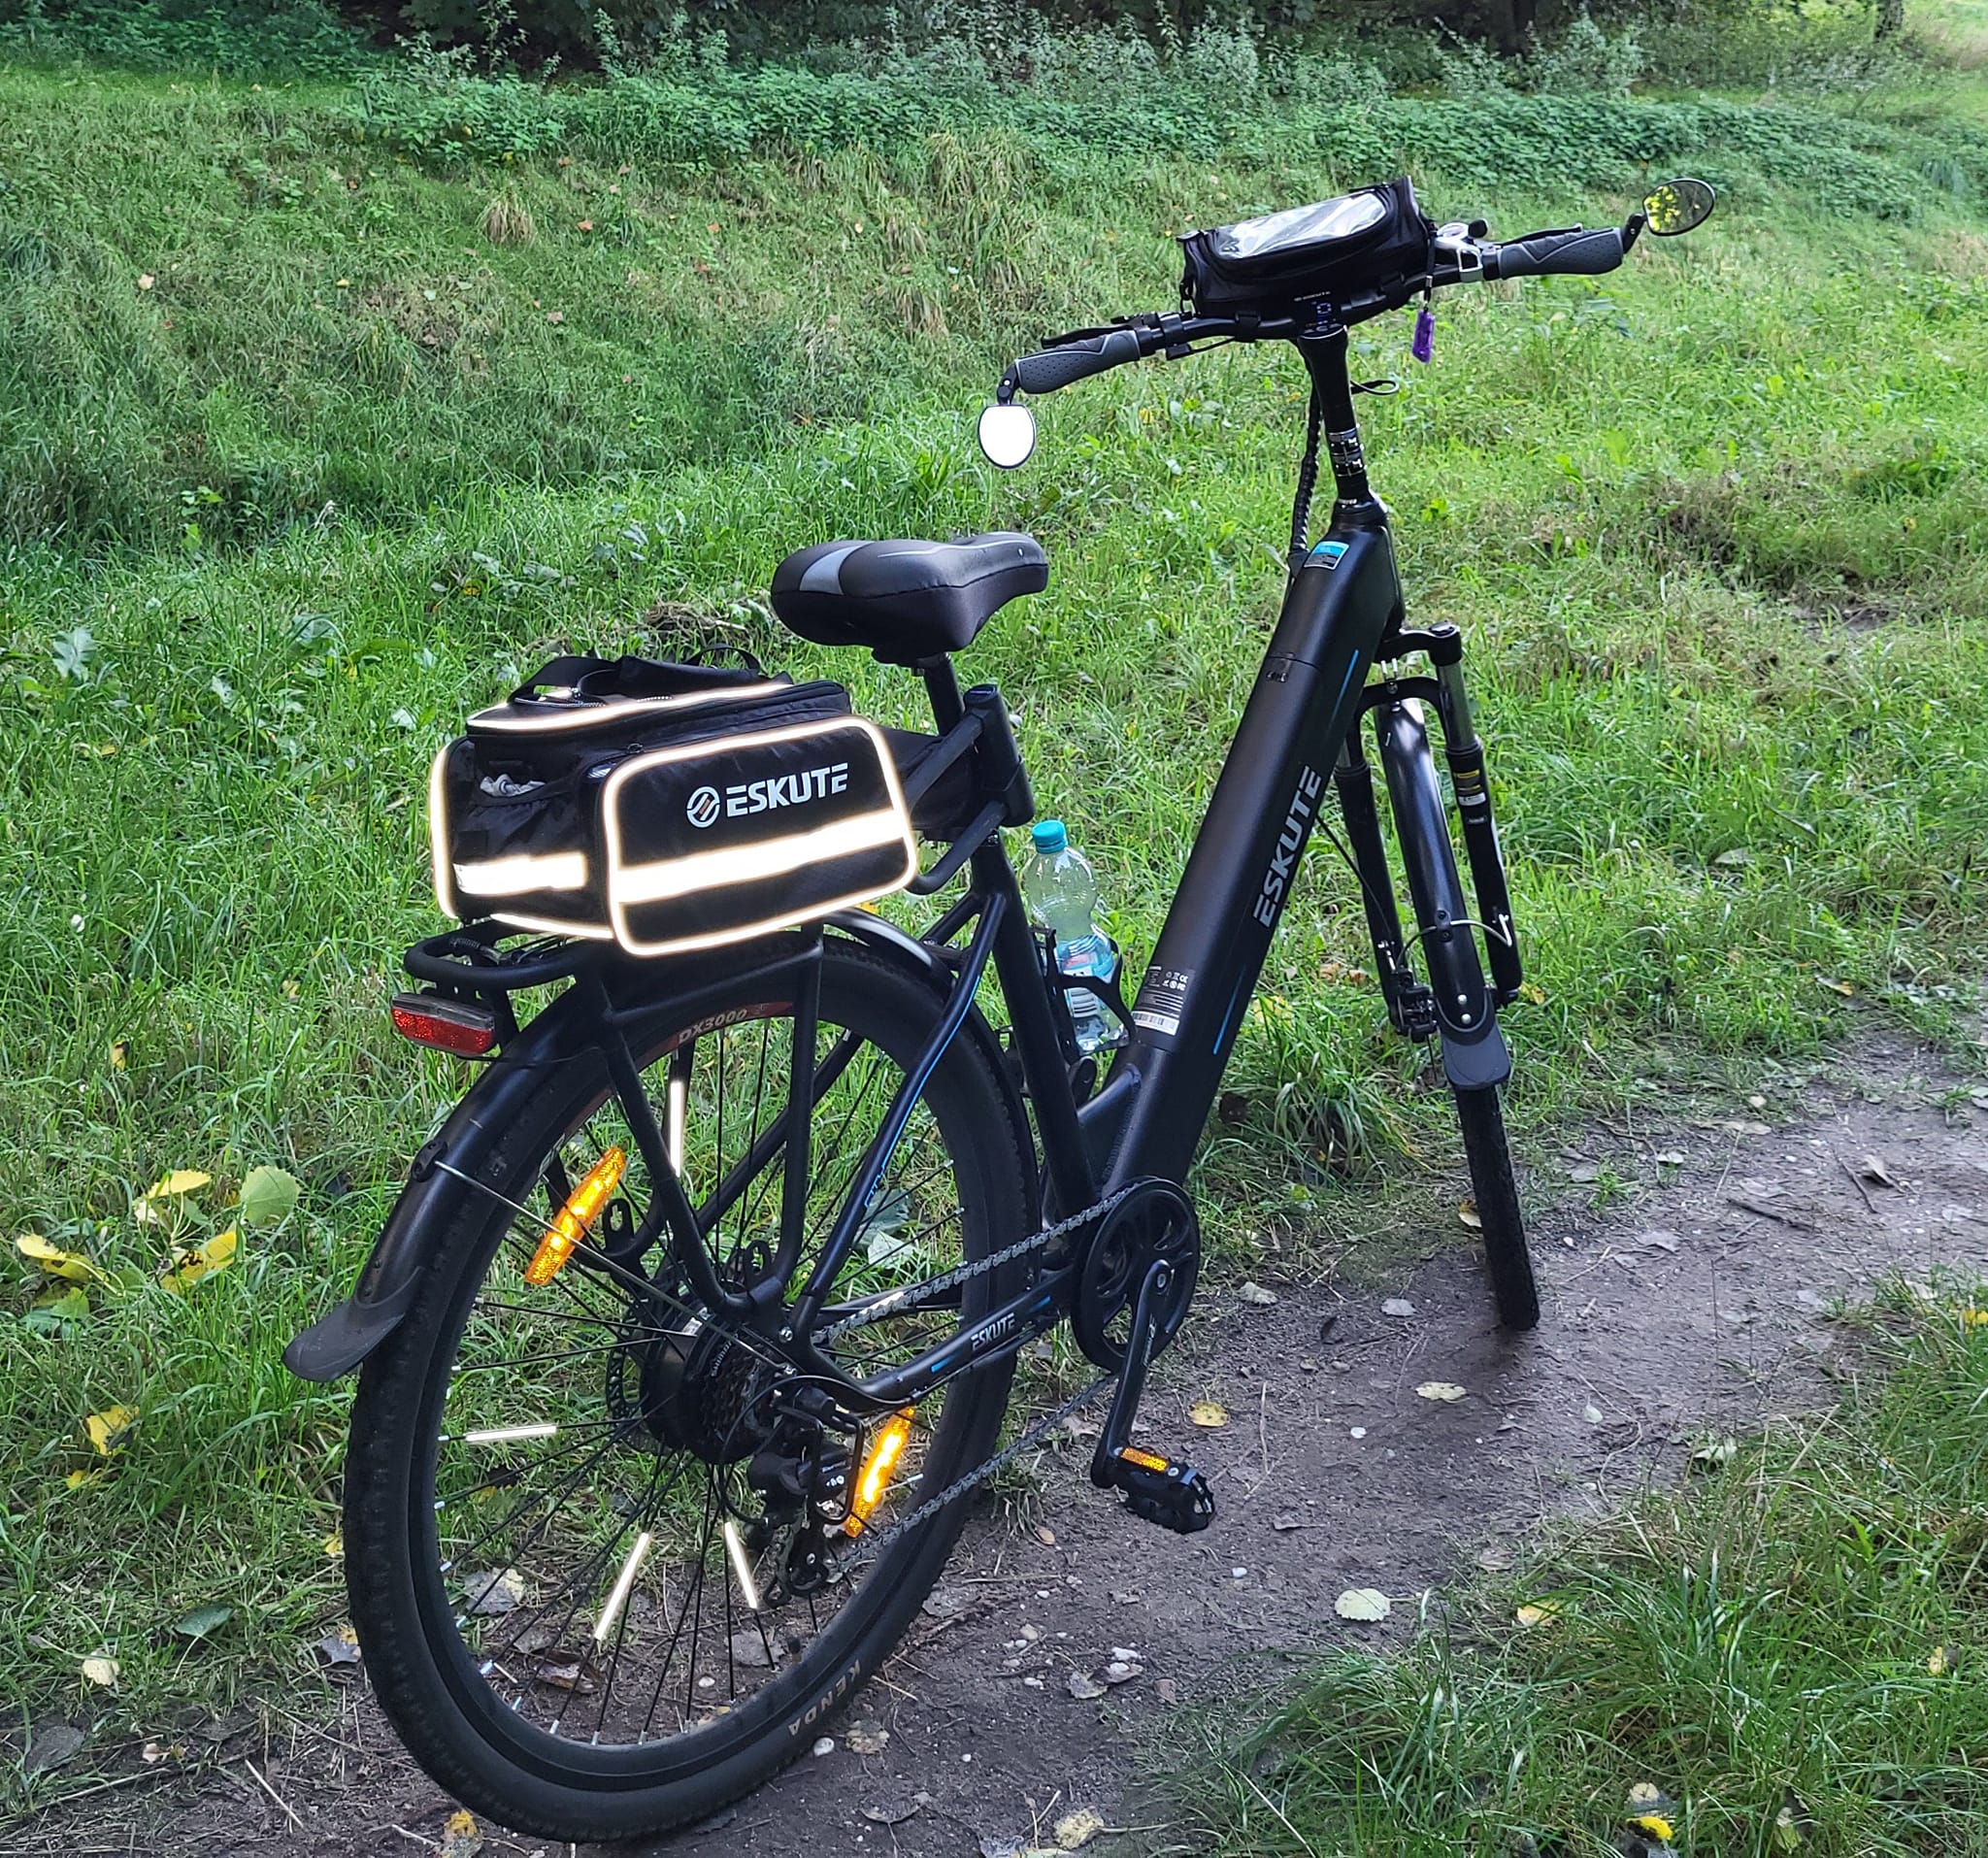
(665,807)
(1333,250)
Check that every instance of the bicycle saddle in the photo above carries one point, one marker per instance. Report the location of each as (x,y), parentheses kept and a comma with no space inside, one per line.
(904,600)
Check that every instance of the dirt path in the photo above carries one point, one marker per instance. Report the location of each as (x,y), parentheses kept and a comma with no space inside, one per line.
(1695,1304)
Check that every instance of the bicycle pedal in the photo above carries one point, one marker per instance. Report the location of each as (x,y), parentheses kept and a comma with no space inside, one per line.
(1177,1497)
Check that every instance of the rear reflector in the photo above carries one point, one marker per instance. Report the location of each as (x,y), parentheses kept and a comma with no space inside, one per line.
(460,1026)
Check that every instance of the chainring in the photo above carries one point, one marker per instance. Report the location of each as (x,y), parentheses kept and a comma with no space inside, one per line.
(1151,1221)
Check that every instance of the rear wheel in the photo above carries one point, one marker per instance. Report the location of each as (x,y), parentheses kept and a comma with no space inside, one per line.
(586,1598)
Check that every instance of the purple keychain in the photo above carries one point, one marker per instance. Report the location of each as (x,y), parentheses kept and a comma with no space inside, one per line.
(1423,347)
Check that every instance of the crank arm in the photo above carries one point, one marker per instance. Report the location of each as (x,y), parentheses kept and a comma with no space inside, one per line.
(1175,1496)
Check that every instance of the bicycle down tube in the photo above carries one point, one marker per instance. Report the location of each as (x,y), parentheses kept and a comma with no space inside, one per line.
(1342,600)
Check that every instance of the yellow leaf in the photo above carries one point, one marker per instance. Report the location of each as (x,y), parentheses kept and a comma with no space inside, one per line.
(78,1478)
(195,1262)
(461,1838)
(100,1670)
(1467,1212)
(1537,1615)
(57,1262)
(1365,1603)
(108,1429)
(1938,1661)
(180,1181)
(120,1054)
(1656,1825)
(1532,995)
(1209,1413)
(335,1542)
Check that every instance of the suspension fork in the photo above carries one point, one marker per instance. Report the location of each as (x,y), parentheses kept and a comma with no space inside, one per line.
(1352,780)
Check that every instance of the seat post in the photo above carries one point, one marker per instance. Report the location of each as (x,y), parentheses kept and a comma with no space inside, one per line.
(941,685)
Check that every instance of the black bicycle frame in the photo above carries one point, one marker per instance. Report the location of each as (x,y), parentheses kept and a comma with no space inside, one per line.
(1342,609)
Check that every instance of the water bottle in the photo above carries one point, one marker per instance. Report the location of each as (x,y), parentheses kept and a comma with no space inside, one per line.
(1063,892)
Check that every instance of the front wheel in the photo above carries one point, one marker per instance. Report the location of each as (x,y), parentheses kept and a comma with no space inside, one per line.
(1482,1119)
(588,1599)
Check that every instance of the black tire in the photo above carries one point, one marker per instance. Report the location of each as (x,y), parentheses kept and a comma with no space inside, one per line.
(1482,1119)
(428,1643)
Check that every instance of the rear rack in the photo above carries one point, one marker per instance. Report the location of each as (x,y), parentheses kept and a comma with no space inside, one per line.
(470,960)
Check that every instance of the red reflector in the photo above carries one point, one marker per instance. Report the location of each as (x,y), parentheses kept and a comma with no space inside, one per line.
(446,1025)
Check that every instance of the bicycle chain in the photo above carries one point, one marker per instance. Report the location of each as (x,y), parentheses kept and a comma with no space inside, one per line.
(894,1301)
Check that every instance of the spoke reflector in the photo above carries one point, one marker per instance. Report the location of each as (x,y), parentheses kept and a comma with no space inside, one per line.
(509,1435)
(576,1217)
(885,1449)
(624,1582)
(741,1566)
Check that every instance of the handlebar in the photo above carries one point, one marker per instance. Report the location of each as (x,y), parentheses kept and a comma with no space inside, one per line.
(1460,254)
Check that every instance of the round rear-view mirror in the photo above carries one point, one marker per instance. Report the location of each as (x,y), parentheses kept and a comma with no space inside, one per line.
(1008,435)
(1678,206)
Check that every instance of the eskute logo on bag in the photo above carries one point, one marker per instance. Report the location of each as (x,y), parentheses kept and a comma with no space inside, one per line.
(702,809)
(785,790)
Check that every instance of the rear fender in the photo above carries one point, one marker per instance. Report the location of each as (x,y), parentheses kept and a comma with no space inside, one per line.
(565,1032)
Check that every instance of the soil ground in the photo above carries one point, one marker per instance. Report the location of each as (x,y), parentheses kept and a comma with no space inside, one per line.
(1696,1303)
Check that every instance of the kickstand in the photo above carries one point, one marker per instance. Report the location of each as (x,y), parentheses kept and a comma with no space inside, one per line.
(1177,1497)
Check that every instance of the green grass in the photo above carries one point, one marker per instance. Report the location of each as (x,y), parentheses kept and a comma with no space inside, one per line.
(1715,527)
(1788,1650)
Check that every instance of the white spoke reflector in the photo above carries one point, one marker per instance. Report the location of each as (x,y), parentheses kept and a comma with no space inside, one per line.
(624,1582)
(740,1566)
(509,1435)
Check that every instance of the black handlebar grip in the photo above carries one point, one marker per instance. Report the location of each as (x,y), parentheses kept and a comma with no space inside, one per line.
(1058,367)
(1576,254)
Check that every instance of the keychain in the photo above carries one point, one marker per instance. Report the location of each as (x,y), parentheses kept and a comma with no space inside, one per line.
(1423,347)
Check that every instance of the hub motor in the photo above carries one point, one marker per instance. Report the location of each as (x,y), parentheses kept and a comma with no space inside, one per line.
(693,1387)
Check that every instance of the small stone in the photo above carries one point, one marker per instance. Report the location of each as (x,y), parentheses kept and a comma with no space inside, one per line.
(1398,1306)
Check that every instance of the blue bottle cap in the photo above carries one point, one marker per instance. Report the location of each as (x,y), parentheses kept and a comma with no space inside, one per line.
(1049,836)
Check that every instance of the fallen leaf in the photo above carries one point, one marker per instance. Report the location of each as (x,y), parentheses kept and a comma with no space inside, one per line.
(1718,1451)
(1938,1661)
(120,1054)
(203,1620)
(100,1670)
(1046,1535)
(146,281)
(1592,1413)
(893,1812)
(1084,1686)
(866,1738)
(156,1752)
(1255,1293)
(191,1263)
(1209,1414)
(1843,987)
(1787,1834)
(181,1181)
(1656,1825)
(1076,1830)
(1121,1671)
(1467,1211)
(339,1648)
(1659,1238)
(71,1266)
(1872,1168)
(574,1674)
(461,1838)
(1647,1797)
(1439,1390)
(1365,1603)
(108,1429)
(54,1745)
(75,1480)
(1399,1306)
(1738,855)
(1670,1158)
(268,1195)
(1582,1172)
(1536,1614)
(55,1312)
(491,1591)
(335,1543)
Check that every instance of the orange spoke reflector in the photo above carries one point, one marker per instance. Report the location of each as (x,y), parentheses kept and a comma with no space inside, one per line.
(873,1480)
(576,1220)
